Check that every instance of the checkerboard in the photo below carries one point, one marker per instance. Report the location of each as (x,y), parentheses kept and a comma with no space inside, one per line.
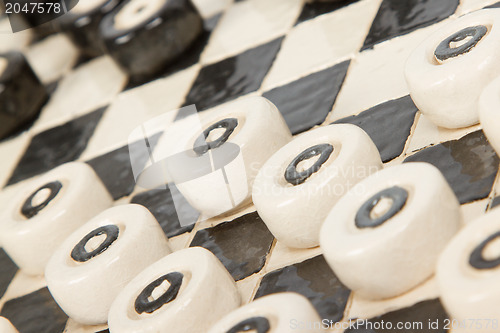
(319,63)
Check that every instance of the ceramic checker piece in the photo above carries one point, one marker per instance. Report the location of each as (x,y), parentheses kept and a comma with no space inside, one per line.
(143,36)
(47,210)
(449,70)
(468,272)
(299,184)
(187,291)
(384,236)
(214,168)
(95,262)
(489,106)
(81,24)
(276,313)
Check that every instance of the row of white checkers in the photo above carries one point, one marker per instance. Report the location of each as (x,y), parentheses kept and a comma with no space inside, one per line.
(383,232)
(118,268)
(454,75)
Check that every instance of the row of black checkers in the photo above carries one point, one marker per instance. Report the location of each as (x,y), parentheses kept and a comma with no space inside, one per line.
(141,49)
